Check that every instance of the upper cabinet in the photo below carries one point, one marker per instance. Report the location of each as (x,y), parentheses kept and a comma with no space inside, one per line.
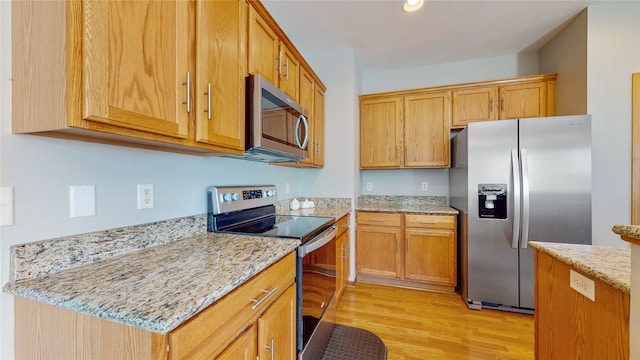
(272,57)
(405,130)
(528,96)
(163,75)
(219,73)
(271,54)
(411,128)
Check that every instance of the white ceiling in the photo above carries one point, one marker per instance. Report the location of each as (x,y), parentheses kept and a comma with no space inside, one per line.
(443,31)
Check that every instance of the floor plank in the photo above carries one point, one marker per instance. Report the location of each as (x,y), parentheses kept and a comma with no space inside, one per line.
(420,325)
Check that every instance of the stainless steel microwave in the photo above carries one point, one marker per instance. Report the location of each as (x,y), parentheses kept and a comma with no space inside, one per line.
(277,127)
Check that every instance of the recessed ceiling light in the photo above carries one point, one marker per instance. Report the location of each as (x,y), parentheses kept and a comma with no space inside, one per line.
(412,5)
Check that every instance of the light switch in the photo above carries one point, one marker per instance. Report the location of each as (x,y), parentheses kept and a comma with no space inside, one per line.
(6,205)
(82,201)
(583,285)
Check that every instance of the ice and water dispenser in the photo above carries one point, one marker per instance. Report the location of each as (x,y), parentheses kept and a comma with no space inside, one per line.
(492,201)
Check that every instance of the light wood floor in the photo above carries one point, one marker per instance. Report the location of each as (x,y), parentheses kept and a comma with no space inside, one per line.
(423,325)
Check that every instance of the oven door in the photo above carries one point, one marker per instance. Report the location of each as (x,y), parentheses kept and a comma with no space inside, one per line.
(316,285)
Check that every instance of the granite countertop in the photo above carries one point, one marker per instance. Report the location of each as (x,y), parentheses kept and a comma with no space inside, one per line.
(153,276)
(608,264)
(629,233)
(406,204)
(160,287)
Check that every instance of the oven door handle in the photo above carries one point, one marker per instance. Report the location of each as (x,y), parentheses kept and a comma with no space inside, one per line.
(318,241)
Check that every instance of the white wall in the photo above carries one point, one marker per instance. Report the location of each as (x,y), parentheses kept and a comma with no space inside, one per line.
(613,54)
(492,68)
(566,55)
(340,73)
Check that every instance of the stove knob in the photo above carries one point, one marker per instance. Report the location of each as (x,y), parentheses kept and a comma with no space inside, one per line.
(235,197)
(227,197)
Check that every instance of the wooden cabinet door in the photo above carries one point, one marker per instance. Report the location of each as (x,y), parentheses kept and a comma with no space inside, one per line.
(342,264)
(289,73)
(430,256)
(263,48)
(381,132)
(427,129)
(136,65)
(523,100)
(219,82)
(277,328)
(474,104)
(378,250)
(318,127)
(244,347)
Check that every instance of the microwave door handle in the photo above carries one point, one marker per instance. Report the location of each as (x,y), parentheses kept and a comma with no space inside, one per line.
(302,119)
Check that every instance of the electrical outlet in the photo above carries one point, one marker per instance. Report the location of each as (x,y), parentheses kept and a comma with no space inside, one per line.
(369,186)
(583,285)
(145,196)
(425,186)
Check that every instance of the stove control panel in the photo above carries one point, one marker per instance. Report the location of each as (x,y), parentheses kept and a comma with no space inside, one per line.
(223,199)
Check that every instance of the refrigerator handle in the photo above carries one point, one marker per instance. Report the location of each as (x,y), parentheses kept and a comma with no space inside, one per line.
(516,198)
(525,198)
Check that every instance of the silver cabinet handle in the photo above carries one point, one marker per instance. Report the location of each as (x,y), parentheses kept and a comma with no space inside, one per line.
(286,72)
(258,302)
(377,220)
(317,146)
(188,84)
(278,58)
(504,102)
(428,222)
(208,93)
(271,348)
(492,104)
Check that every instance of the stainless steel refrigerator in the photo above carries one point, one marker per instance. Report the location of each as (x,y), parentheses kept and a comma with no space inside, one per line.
(516,181)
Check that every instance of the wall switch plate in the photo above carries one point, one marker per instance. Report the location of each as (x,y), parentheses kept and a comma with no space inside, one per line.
(583,285)
(369,186)
(6,206)
(145,196)
(425,186)
(82,201)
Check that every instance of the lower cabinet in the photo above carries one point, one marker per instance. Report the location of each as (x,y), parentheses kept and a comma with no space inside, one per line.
(257,318)
(406,248)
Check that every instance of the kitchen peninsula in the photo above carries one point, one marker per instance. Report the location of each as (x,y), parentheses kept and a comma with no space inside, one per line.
(582,301)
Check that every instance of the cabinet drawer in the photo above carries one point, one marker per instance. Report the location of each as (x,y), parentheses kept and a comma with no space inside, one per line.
(343,224)
(207,332)
(430,221)
(378,218)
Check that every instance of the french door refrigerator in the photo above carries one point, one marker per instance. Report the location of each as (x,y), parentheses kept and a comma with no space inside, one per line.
(516,181)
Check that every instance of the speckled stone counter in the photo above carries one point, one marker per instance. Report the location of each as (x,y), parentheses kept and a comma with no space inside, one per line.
(607,264)
(405,204)
(327,207)
(160,287)
(630,233)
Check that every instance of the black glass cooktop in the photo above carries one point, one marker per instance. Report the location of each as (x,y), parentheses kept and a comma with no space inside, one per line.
(297,227)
